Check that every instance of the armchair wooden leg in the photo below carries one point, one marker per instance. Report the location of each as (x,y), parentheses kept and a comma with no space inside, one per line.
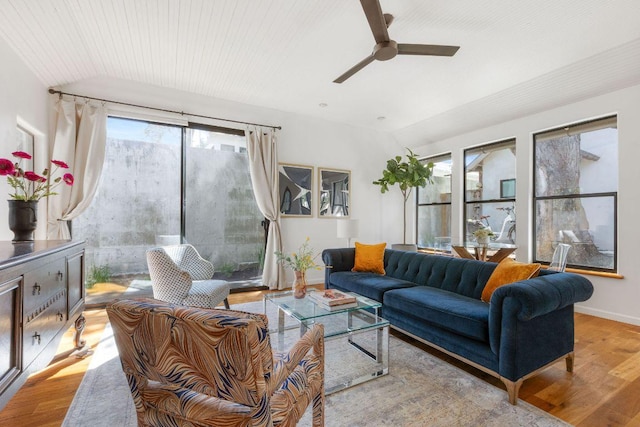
(226,303)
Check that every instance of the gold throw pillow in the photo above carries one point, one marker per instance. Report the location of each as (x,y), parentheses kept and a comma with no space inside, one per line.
(508,271)
(369,258)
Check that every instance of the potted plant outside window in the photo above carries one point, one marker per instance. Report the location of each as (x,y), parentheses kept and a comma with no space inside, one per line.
(407,174)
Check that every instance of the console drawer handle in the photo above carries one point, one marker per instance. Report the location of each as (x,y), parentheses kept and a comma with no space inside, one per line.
(60,275)
(60,316)
(36,337)
(36,289)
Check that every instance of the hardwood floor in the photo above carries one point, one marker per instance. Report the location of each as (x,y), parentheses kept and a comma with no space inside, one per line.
(604,389)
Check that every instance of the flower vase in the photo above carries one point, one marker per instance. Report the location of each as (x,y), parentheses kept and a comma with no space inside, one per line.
(23,219)
(483,240)
(300,284)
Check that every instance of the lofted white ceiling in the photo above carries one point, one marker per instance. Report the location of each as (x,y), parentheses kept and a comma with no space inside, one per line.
(515,56)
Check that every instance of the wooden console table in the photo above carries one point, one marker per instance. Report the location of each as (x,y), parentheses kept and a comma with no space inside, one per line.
(41,295)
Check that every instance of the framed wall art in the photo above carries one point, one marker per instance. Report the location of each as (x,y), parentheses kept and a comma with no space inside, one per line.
(334,186)
(295,190)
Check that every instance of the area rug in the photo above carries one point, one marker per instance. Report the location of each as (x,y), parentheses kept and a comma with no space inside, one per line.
(420,390)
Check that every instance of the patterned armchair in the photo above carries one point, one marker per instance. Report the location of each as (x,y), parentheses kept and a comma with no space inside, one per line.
(202,367)
(179,275)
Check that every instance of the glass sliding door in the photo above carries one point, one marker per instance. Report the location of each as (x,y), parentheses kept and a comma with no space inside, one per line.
(221,217)
(163,185)
(137,204)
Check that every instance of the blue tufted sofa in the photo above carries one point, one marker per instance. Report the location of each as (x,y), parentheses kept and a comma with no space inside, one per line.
(527,325)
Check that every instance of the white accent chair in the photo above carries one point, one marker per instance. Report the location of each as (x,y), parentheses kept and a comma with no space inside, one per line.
(559,259)
(179,275)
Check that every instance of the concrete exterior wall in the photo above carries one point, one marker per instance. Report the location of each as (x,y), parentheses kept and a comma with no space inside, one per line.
(223,219)
(137,206)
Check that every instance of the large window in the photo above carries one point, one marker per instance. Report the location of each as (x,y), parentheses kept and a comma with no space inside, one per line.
(434,207)
(575,193)
(489,196)
(165,184)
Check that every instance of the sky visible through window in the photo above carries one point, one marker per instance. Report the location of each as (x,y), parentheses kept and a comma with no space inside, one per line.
(136,130)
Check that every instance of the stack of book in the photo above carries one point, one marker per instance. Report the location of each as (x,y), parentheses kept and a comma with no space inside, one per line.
(331,299)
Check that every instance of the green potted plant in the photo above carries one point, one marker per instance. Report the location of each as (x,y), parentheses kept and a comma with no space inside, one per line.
(407,174)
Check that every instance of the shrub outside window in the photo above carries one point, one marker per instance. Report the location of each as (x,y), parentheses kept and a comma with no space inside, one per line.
(575,193)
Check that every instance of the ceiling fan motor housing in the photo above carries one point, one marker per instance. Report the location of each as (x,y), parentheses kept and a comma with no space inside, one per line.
(384,51)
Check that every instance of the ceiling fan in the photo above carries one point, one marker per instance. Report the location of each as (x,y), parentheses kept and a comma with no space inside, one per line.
(386,48)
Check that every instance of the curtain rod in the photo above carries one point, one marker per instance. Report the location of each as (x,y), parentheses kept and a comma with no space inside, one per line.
(53,92)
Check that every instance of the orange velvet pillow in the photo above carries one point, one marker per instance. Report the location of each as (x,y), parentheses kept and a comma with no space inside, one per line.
(508,271)
(369,258)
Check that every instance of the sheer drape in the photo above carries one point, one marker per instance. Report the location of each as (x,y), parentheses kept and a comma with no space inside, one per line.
(263,162)
(80,138)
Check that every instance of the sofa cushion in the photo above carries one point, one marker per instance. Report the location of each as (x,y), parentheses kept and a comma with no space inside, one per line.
(369,258)
(508,271)
(457,313)
(370,285)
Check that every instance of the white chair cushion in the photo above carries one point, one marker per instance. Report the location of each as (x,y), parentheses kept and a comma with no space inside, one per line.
(207,293)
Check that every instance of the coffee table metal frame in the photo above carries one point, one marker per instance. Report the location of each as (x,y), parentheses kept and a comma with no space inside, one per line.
(342,322)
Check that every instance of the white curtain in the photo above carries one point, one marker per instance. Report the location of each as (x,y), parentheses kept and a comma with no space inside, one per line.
(79,140)
(263,163)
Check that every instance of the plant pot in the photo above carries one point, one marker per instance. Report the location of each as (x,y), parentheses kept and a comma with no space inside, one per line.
(23,219)
(300,284)
(405,247)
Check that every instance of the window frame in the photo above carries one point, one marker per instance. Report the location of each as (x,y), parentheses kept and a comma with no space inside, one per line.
(580,127)
(465,202)
(434,159)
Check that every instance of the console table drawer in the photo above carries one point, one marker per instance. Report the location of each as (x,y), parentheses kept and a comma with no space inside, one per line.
(42,283)
(42,324)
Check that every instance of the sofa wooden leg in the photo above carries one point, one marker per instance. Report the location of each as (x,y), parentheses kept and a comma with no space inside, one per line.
(569,360)
(513,387)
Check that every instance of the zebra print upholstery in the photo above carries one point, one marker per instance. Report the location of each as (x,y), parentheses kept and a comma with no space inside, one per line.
(190,366)
(179,275)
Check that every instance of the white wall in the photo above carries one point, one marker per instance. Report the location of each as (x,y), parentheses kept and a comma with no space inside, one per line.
(616,299)
(302,140)
(23,100)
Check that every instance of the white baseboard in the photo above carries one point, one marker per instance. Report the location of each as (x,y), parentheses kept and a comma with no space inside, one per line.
(608,315)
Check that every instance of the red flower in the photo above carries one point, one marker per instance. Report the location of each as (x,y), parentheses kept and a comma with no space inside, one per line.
(6,167)
(32,176)
(68,179)
(60,164)
(22,155)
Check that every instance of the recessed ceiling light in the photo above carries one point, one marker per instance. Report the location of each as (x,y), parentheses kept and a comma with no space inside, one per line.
(323,104)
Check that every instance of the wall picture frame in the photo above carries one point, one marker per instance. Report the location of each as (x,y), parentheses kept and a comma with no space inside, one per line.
(334,196)
(295,190)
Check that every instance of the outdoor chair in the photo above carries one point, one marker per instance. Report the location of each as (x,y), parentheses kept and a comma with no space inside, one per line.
(213,367)
(559,259)
(179,275)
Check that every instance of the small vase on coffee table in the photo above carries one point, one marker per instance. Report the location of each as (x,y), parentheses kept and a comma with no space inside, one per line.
(299,284)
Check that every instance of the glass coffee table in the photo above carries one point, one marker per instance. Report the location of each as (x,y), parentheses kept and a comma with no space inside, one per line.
(356,338)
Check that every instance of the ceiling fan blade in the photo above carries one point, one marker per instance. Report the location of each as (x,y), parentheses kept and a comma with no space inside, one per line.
(377,23)
(359,66)
(426,49)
